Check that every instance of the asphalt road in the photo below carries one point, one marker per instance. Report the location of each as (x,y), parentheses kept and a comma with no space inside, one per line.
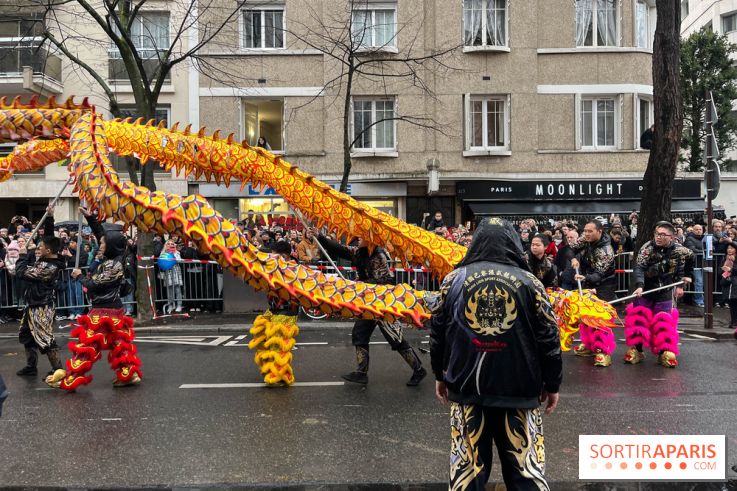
(172,431)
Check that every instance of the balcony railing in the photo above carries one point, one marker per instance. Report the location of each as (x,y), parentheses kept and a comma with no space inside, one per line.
(15,56)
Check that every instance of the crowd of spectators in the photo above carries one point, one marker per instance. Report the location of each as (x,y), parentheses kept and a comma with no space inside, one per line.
(545,242)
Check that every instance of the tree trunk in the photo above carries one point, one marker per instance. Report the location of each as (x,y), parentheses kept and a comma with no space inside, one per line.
(661,166)
(347,143)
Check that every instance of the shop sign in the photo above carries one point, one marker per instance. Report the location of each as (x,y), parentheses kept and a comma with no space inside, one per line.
(624,189)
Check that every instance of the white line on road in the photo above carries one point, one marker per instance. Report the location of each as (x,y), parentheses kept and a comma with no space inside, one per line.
(699,336)
(111,419)
(255,385)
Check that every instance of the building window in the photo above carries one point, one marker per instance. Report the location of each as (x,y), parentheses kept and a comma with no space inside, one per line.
(596,23)
(22,45)
(150,36)
(374,27)
(264,28)
(645,23)
(263,118)
(160,114)
(645,116)
(373,125)
(729,23)
(598,123)
(485,22)
(684,9)
(487,123)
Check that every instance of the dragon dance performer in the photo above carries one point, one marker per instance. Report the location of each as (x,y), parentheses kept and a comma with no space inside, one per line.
(651,320)
(105,326)
(274,332)
(595,258)
(39,271)
(496,355)
(373,268)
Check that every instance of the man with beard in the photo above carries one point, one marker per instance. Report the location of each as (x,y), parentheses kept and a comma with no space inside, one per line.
(595,264)
(495,354)
(373,268)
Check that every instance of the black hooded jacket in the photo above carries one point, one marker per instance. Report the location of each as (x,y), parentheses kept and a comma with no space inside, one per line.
(41,279)
(493,336)
(104,284)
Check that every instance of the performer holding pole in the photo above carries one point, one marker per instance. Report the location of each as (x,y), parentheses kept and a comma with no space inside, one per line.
(662,265)
(372,268)
(106,326)
(39,268)
(595,258)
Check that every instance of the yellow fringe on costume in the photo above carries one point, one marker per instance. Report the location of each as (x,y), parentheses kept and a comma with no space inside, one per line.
(273,340)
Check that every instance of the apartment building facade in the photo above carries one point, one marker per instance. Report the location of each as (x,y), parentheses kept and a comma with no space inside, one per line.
(540,114)
(543,115)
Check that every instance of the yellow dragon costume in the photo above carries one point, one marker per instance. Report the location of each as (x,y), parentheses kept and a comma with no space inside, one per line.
(51,131)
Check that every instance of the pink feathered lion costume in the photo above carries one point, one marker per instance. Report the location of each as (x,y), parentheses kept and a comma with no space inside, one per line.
(658,331)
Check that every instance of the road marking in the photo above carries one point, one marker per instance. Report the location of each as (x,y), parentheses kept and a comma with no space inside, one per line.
(188,340)
(110,419)
(699,336)
(256,385)
(242,336)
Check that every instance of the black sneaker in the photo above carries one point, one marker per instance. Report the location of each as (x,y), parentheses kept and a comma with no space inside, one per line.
(417,377)
(27,372)
(356,377)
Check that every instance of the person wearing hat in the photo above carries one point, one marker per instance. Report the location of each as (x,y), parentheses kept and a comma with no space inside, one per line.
(651,320)
(105,326)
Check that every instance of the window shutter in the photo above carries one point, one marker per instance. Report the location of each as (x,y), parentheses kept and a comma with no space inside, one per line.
(577,120)
(284,125)
(467,121)
(351,122)
(506,28)
(508,129)
(620,123)
(620,13)
(636,120)
(395,122)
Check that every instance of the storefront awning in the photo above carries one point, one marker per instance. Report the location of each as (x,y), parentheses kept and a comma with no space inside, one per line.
(531,208)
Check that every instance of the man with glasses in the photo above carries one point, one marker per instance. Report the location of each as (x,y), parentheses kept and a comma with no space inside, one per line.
(652,320)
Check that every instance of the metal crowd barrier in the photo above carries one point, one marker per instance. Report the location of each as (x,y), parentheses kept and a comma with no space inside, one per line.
(624,264)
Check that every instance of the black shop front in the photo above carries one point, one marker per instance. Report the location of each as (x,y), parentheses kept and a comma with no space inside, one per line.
(546,200)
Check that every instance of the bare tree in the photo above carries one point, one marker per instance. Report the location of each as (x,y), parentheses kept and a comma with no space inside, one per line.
(657,190)
(143,48)
(360,48)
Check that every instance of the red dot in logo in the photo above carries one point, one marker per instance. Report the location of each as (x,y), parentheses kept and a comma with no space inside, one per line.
(623,465)
(638,465)
(608,465)
(683,465)
(653,465)
(668,465)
